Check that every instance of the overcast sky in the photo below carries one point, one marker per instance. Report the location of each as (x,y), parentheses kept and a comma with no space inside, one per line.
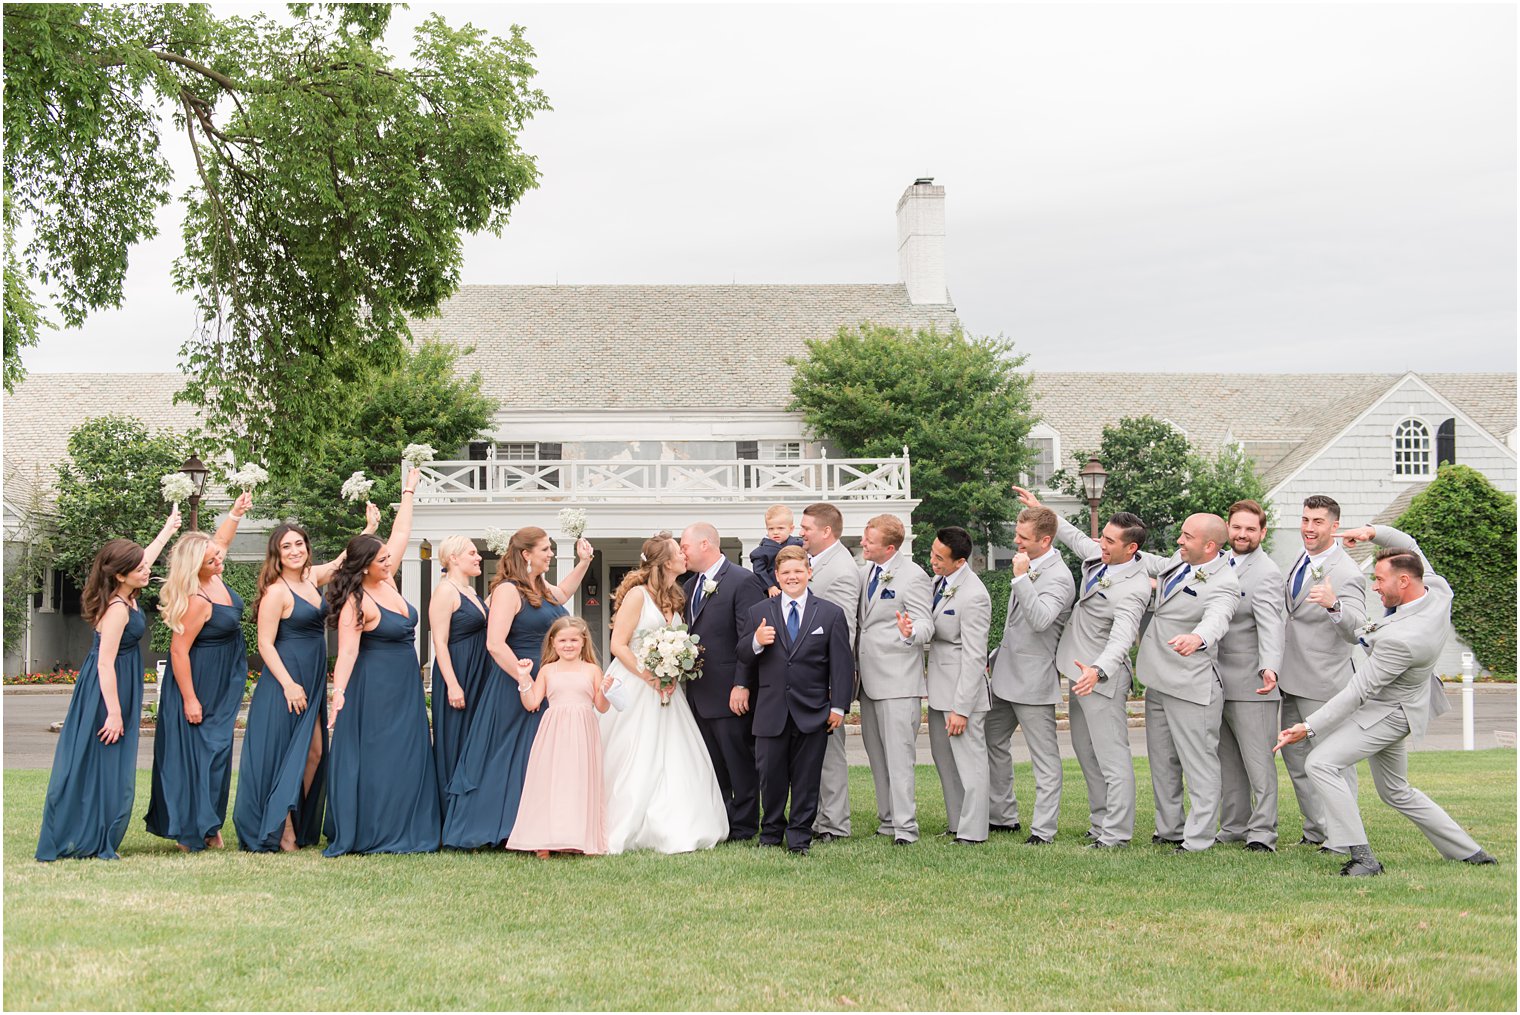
(1267,188)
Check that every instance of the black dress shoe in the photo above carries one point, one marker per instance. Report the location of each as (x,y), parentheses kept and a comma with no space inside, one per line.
(1480,858)
(1306,841)
(762,842)
(797,850)
(902,842)
(826,837)
(947,834)
(1089,836)
(1259,847)
(1184,849)
(741,838)
(1157,840)
(1015,827)
(1355,868)
(967,842)
(1095,844)
(1035,840)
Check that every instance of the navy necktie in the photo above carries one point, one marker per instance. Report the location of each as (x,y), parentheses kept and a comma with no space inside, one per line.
(1233,560)
(1176,578)
(1298,576)
(793,621)
(939,591)
(1094,579)
(696,596)
(875,577)
(1389,611)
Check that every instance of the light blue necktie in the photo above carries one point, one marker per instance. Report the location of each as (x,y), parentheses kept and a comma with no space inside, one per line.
(1094,579)
(1176,579)
(1298,576)
(875,577)
(793,622)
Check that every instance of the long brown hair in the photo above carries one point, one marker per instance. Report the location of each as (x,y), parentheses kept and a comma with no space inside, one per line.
(273,568)
(588,651)
(348,582)
(655,554)
(513,568)
(117,558)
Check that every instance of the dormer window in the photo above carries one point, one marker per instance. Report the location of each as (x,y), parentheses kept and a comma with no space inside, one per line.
(1411,449)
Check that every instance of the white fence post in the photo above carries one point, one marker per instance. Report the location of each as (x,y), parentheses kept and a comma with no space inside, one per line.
(1467,700)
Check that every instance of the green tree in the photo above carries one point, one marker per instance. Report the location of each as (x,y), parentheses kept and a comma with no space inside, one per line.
(1154,472)
(108,489)
(332,186)
(959,403)
(420,400)
(1467,529)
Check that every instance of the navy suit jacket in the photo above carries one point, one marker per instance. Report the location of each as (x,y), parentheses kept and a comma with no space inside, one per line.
(720,625)
(805,678)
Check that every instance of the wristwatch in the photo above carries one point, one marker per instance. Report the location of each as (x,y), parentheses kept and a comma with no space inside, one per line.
(1308,731)
(1102,677)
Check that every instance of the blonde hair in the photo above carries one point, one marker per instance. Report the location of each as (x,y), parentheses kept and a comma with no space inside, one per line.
(889,528)
(776,512)
(184,578)
(655,553)
(453,546)
(588,652)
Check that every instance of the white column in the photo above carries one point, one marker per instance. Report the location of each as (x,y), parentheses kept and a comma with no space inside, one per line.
(564,563)
(746,547)
(411,584)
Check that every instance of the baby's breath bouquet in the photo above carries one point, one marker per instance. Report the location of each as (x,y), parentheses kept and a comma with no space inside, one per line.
(572,522)
(248,477)
(176,486)
(672,654)
(356,487)
(418,455)
(497,540)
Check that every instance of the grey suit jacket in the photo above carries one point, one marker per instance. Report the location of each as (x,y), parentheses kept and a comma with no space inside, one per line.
(1025,671)
(1255,639)
(1201,602)
(957,673)
(837,580)
(1105,619)
(1316,659)
(890,668)
(1402,650)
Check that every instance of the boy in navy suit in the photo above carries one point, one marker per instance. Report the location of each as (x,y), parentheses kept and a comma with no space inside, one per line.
(797,665)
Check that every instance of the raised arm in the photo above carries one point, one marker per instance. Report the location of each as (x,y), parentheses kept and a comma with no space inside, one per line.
(171,526)
(1077,541)
(401,528)
(321,574)
(229,526)
(572,581)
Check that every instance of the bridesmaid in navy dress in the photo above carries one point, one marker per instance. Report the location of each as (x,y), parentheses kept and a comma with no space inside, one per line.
(198,708)
(487,783)
(382,790)
(94,779)
(282,777)
(457,620)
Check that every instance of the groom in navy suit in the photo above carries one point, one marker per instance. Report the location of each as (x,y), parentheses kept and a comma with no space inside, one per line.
(796,660)
(718,599)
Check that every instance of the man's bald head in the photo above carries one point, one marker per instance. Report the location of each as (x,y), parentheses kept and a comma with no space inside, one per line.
(1203,535)
(700,544)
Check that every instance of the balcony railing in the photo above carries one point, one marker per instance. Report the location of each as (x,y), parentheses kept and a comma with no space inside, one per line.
(612,481)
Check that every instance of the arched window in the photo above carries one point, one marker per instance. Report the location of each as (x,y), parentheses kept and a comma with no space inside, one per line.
(1411,449)
(1446,443)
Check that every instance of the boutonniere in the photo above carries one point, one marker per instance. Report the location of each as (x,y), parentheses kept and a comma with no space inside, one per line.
(948,593)
(1104,583)
(885,578)
(1034,575)
(1200,577)
(1316,573)
(709,586)
(1369,627)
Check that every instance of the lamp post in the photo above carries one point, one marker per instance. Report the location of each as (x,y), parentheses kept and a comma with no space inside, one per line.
(1093,477)
(197,472)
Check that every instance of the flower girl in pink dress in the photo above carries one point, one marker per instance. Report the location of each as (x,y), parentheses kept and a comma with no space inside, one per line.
(562,809)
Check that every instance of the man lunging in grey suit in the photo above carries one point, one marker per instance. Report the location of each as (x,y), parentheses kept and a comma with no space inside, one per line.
(836,579)
(895,625)
(1026,686)
(957,682)
(1249,657)
(1326,600)
(1388,704)
(1093,656)
(1196,595)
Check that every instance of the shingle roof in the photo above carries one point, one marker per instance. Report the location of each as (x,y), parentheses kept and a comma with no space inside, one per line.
(656,346)
(44,408)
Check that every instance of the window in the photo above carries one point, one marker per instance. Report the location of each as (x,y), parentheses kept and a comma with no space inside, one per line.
(784,451)
(1044,464)
(1411,449)
(516,451)
(1446,443)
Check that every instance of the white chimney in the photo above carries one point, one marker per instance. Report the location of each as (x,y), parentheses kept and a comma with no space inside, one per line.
(921,241)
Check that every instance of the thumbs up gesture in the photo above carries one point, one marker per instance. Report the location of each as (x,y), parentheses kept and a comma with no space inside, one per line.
(1324,594)
(765,634)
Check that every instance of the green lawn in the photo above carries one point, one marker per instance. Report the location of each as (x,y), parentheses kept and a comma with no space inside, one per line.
(856,924)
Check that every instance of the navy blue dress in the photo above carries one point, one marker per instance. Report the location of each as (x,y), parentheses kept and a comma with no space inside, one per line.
(382,791)
(487,783)
(90,793)
(467,653)
(272,773)
(192,765)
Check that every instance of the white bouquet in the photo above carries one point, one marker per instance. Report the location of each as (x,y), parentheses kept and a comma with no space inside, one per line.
(356,487)
(418,455)
(248,477)
(672,654)
(497,540)
(176,486)
(572,522)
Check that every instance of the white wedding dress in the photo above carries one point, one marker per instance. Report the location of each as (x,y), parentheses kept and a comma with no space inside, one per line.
(658,781)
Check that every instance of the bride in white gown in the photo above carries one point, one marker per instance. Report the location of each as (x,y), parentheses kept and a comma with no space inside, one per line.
(658,781)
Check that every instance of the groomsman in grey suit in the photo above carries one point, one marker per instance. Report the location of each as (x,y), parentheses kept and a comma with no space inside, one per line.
(1326,600)
(957,681)
(1026,685)
(1387,704)
(836,579)
(895,626)
(1093,656)
(1196,595)
(1249,656)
